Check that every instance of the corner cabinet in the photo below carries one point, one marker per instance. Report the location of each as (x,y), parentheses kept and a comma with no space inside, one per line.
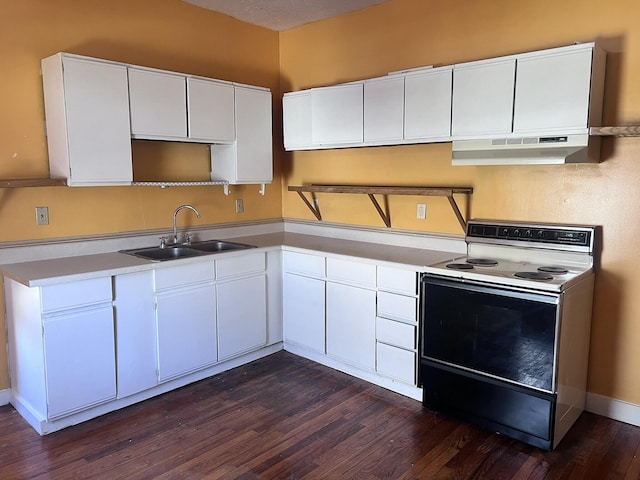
(248,159)
(87,109)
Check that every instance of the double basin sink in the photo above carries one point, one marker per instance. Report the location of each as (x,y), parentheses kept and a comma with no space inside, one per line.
(195,249)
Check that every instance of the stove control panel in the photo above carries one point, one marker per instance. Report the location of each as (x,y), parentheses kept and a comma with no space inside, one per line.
(493,232)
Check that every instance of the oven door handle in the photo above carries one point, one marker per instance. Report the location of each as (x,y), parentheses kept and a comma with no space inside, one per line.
(470,285)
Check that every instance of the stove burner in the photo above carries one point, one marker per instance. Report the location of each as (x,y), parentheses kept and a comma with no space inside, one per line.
(484,262)
(552,269)
(534,275)
(459,266)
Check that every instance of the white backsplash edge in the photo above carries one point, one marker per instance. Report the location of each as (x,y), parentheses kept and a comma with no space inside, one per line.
(395,237)
(15,252)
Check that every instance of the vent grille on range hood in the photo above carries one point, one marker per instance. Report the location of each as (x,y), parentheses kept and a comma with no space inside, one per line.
(548,150)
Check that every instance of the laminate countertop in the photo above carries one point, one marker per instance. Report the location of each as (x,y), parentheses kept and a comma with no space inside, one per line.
(74,268)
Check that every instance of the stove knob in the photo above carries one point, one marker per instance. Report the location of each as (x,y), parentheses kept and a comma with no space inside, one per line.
(527,233)
(516,233)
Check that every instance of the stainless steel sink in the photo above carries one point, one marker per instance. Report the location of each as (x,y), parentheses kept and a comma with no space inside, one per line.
(196,249)
(214,246)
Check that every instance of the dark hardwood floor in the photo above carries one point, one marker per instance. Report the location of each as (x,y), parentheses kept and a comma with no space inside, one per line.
(284,417)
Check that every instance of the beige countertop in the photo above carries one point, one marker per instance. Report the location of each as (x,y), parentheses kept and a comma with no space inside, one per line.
(59,270)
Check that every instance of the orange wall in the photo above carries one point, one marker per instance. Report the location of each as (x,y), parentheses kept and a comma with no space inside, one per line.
(403,34)
(165,34)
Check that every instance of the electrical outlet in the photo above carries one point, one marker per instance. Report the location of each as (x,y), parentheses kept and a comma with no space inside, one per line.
(42,215)
(239,206)
(422,211)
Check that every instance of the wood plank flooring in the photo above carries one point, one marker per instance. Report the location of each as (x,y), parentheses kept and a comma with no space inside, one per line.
(284,417)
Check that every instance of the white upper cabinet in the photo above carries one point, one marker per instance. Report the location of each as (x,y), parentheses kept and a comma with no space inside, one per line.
(553,90)
(249,159)
(158,102)
(87,110)
(296,119)
(483,98)
(337,114)
(384,109)
(427,105)
(210,108)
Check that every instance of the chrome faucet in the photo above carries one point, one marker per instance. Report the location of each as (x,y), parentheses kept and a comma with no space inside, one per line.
(175,232)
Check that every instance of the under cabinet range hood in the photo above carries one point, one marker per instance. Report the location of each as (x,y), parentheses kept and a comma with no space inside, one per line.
(547,150)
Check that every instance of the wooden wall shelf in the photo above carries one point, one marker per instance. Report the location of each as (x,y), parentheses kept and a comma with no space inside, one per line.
(625,131)
(33,182)
(371,191)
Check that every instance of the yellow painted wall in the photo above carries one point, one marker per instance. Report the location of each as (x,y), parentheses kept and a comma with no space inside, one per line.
(165,34)
(403,34)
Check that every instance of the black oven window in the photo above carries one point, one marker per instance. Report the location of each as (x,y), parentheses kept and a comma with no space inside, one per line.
(511,338)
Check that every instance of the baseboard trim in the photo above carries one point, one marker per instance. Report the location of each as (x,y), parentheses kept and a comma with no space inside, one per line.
(5,396)
(615,409)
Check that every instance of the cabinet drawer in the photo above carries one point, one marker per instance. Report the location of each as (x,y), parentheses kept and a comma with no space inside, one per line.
(76,294)
(396,333)
(397,280)
(176,276)
(240,265)
(396,362)
(347,271)
(304,264)
(398,307)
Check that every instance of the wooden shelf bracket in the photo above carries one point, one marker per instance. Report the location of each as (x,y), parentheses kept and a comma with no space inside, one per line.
(371,191)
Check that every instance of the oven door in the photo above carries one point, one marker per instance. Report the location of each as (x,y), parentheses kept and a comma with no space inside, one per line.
(502,333)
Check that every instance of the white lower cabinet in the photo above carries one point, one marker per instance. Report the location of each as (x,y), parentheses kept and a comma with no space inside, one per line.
(397,324)
(186,319)
(79,354)
(136,345)
(304,311)
(61,347)
(351,316)
(351,312)
(242,304)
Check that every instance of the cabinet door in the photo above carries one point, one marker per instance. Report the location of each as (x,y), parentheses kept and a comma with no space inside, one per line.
(80,359)
(337,114)
(158,104)
(242,315)
(136,336)
(552,92)
(427,105)
(351,318)
(304,311)
(250,158)
(384,109)
(483,98)
(186,323)
(296,118)
(87,109)
(210,110)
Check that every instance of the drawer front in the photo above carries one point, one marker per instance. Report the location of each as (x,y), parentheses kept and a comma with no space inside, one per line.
(396,363)
(240,265)
(398,307)
(397,280)
(396,333)
(304,264)
(76,294)
(176,276)
(347,271)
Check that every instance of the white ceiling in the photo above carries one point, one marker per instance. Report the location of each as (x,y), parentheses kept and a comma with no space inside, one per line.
(282,15)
